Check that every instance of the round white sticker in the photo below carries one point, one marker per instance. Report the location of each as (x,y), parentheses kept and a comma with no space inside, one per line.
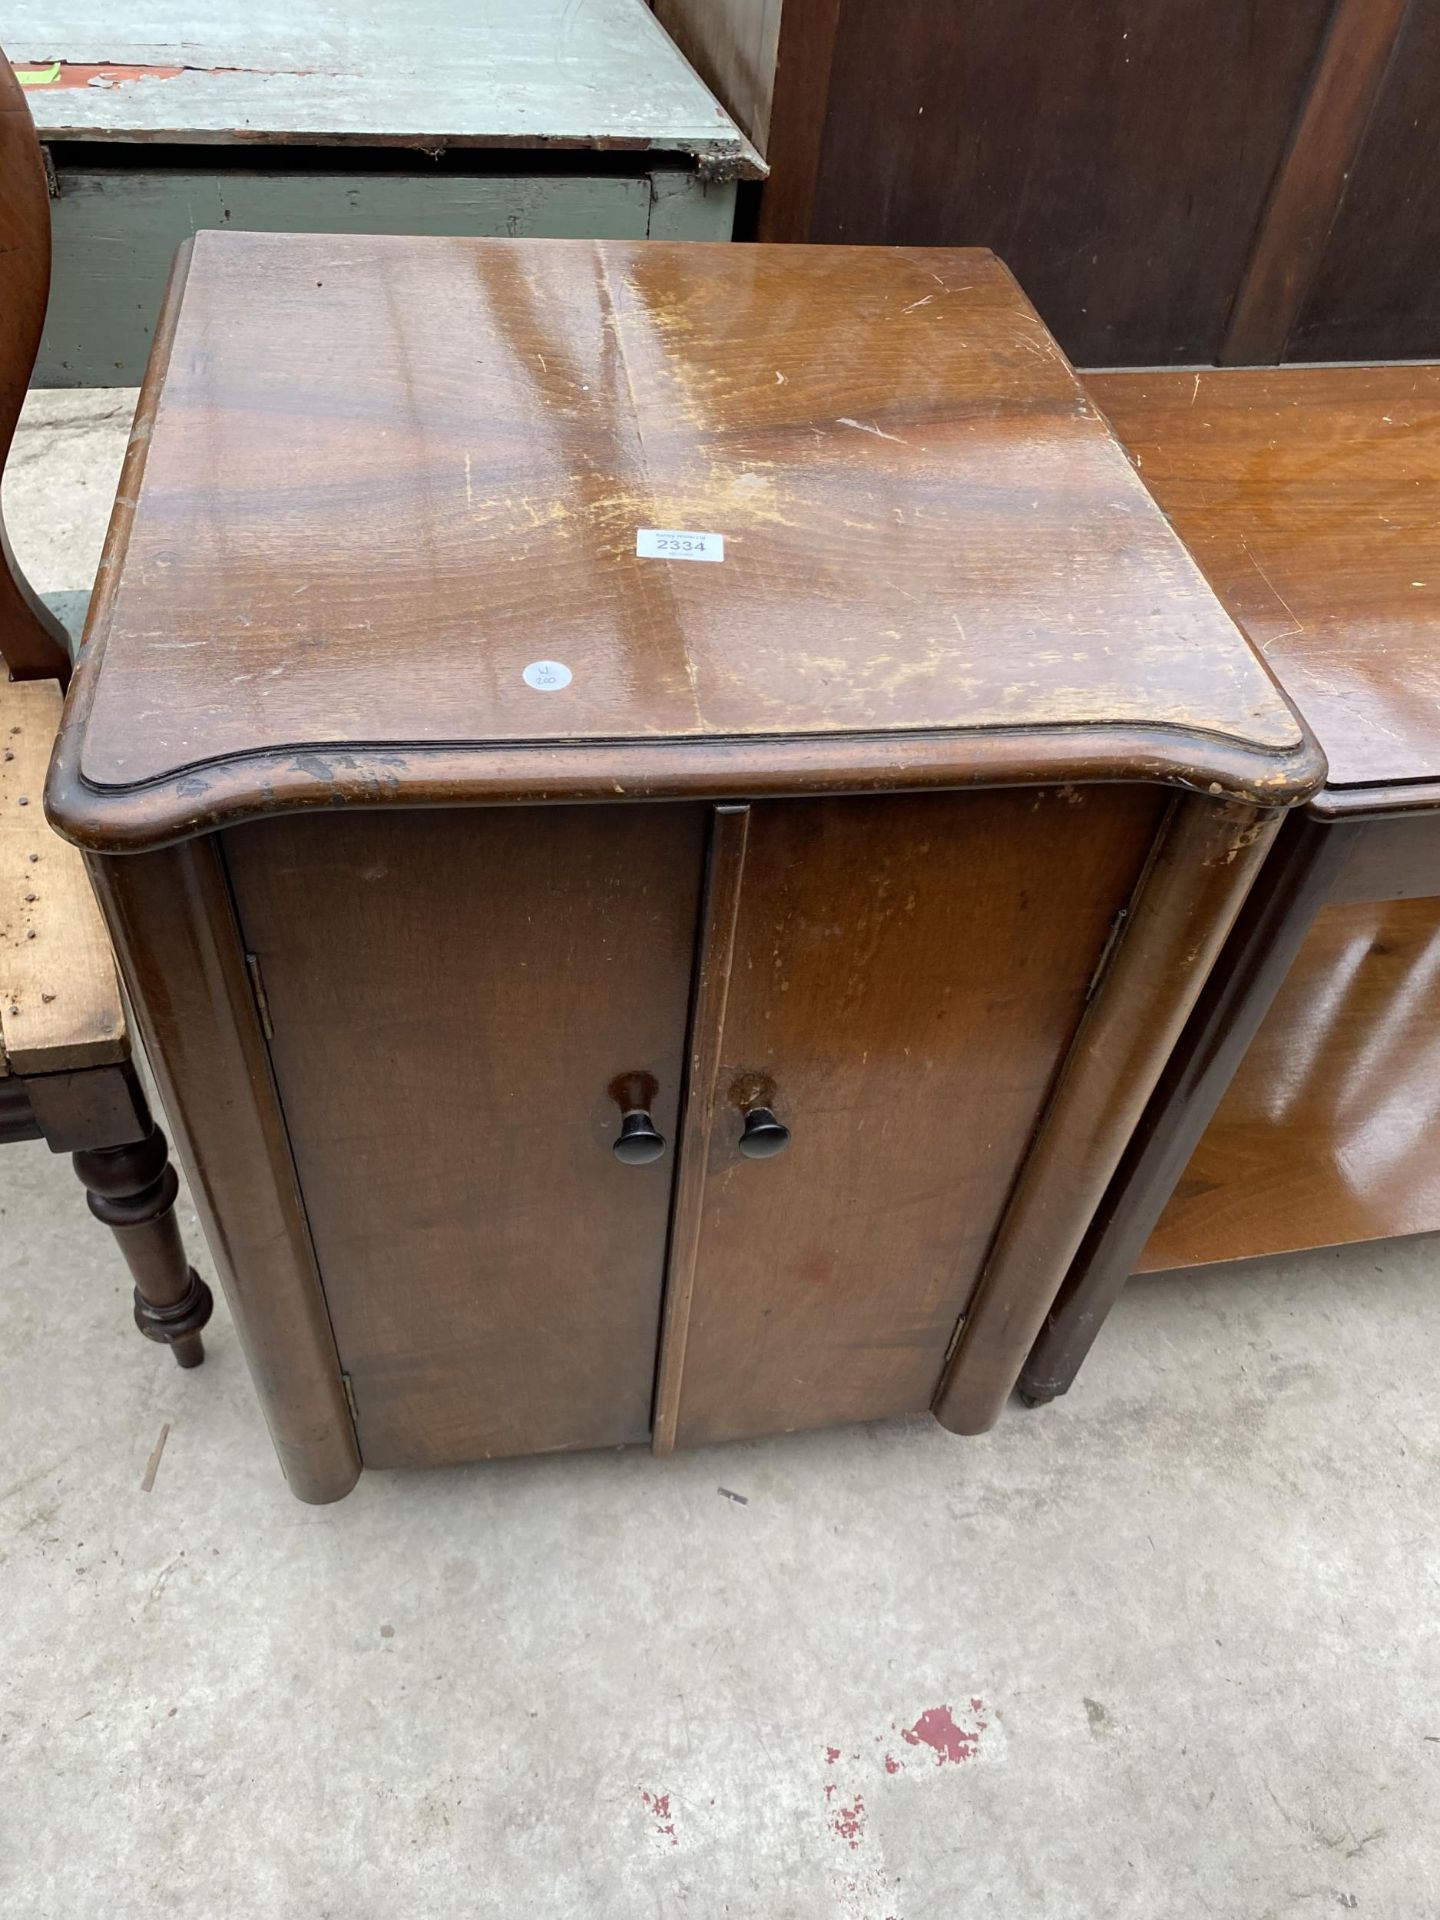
(547,676)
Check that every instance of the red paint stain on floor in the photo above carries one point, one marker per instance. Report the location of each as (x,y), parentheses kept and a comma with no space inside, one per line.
(937,1730)
(816,1269)
(832,1754)
(849,1823)
(892,1765)
(658,1805)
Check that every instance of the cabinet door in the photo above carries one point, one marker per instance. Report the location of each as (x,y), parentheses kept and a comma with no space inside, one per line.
(457,1001)
(905,979)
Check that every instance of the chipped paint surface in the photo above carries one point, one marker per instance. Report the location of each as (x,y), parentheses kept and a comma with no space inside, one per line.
(73,73)
(936,1730)
(657,1805)
(859,1782)
(601,74)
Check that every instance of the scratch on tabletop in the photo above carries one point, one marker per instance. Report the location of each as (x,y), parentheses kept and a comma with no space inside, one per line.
(864,426)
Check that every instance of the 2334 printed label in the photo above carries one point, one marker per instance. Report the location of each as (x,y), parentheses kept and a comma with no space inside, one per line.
(671,543)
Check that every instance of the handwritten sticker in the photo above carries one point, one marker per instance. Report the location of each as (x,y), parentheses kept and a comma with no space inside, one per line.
(547,676)
(661,543)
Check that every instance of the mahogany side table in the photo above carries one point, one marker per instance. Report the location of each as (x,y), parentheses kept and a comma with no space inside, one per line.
(662,807)
(1301,1107)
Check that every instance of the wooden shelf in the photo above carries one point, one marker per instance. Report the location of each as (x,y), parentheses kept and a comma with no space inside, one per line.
(1330,1131)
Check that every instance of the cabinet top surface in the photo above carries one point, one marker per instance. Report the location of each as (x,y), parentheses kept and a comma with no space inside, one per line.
(469,73)
(379,481)
(1308,496)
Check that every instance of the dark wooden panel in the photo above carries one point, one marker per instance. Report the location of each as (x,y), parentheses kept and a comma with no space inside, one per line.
(1330,1130)
(453,996)
(799,105)
(1311,180)
(908,972)
(1116,155)
(732,45)
(1377,294)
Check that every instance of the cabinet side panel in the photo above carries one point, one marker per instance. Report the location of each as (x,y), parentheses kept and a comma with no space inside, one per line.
(173,925)
(457,1000)
(1204,865)
(907,975)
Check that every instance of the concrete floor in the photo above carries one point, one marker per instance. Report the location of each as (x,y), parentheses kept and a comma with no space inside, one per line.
(1169,1648)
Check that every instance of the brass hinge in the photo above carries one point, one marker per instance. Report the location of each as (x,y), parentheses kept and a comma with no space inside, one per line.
(349,1386)
(257,987)
(1107,952)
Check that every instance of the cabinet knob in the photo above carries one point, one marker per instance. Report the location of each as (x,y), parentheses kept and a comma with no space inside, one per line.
(763,1136)
(638,1142)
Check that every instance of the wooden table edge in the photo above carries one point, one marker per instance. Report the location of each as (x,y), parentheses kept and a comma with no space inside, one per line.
(227,792)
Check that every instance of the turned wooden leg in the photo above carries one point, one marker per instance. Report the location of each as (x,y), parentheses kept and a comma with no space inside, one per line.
(132,1190)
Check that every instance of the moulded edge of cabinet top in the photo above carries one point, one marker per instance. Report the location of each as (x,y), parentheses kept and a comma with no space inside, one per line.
(392,529)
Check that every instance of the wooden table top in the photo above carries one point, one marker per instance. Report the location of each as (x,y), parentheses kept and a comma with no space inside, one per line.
(1311,497)
(384,479)
(433,73)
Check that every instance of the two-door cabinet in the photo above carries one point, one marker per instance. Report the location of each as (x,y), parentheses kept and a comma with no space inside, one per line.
(661,807)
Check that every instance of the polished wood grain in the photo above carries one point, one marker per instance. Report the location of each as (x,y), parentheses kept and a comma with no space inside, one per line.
(1310,183)
(1376,296)
(908,975)
(460,1005)
(1269,930)
(1116,154)
(1307,495)
(1204,864)
(59,998)
(172,921)
(932,540)
(1327,1133)
(32,641)
(714,965)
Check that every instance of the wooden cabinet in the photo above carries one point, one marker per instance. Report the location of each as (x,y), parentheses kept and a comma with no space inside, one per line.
(1299,1106)
(454,830)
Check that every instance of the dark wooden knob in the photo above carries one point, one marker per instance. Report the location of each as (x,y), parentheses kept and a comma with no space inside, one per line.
(763,1136)
(639,1142)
